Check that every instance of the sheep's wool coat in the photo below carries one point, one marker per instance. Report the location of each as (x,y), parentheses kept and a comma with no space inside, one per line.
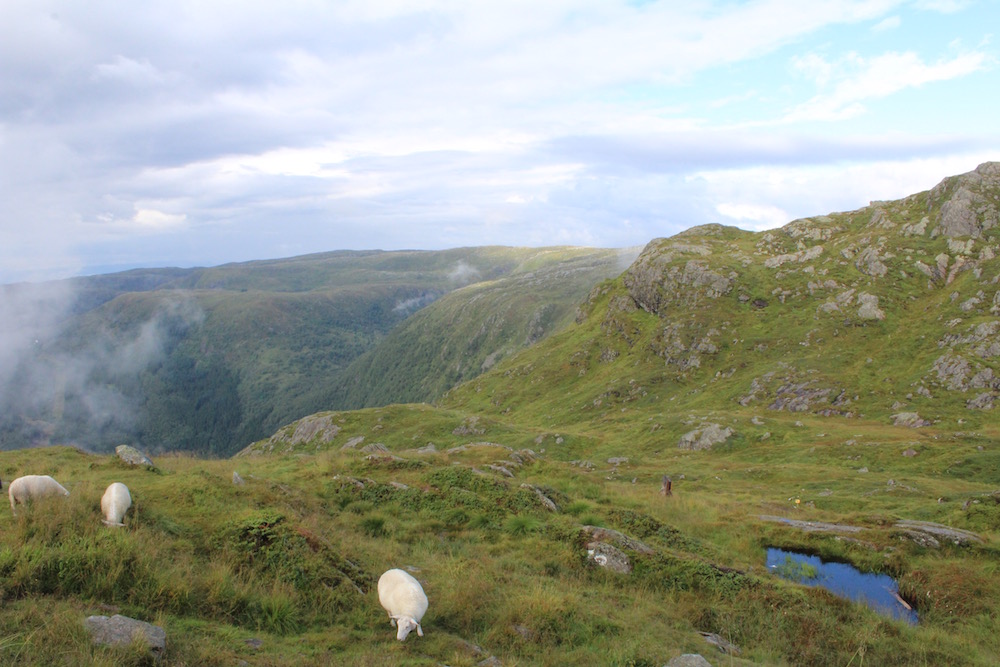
(403,598)
(114,503)
(23,489)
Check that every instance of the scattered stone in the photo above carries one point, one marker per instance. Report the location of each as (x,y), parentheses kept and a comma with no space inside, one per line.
(910,453)
(375,448)
(254,643)
(863,470)
(428,449)
(120,630)
(618,460)
(133,456)
(499,469)
(237,480)
(689,660)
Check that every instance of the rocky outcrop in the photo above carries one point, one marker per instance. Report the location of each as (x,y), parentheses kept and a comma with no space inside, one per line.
(668,272)
(968,212)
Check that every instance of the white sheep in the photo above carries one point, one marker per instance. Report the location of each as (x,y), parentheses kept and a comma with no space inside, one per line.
(30,487)
(402,596)
(114,503)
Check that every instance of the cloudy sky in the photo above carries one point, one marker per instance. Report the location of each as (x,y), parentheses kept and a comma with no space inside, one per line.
(196,132)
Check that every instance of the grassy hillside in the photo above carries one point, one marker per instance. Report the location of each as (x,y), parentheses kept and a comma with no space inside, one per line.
(839,422)
(469,330)
(209,360)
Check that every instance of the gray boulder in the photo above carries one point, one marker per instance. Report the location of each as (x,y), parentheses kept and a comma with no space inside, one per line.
(120,630)
(133,456)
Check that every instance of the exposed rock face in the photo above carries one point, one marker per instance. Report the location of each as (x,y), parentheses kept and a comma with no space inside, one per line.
(121,630)
(133,456)
(658,277)
(705,437)
(937,530)
(800,257)
(967,212)
(318,428)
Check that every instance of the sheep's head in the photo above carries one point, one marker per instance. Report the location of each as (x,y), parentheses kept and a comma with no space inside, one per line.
(405,625)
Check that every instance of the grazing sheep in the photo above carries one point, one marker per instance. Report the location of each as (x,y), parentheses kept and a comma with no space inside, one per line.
(29,487)
(114,503)
(402,596)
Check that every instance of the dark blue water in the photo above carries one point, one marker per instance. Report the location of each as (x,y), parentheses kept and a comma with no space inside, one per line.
(878,591)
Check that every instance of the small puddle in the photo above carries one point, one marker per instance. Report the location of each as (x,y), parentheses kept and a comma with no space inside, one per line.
(878,591)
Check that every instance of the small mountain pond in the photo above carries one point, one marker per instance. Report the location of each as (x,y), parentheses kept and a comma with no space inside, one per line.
(878,591)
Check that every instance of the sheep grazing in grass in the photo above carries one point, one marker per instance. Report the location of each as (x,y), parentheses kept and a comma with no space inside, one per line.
(31,487)
(402,596)
(114,503)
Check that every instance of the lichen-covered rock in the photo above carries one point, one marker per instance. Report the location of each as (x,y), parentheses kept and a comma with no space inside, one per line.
(869,309)
(609,557)
(133,456)
(122,630)
(870,263)
(801,256)
(705,437)
(909,419)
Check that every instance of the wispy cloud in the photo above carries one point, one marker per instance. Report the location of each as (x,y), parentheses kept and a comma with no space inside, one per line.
(858,80)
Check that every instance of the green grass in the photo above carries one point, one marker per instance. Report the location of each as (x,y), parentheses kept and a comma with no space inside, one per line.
(291,557)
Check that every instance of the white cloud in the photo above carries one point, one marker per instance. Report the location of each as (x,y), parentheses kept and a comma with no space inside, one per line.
(862,79)
(888,23)
(158,221)
(754,216)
